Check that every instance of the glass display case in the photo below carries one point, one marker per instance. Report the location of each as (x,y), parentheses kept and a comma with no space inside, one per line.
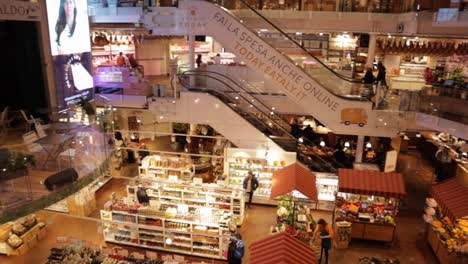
(327,187)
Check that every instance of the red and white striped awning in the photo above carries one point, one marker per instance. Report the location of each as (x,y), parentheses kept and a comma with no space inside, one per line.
(452,197)
(295,177)
(281,248)
(371,183)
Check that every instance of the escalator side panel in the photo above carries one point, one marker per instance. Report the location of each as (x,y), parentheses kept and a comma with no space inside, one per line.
(343,116)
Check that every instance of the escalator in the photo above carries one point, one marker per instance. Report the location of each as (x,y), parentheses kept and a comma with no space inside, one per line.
(335,100)
(259,115)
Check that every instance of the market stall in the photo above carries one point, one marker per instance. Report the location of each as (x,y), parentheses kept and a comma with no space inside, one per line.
(295,188)
(369,201)
(281,248)
(447,215)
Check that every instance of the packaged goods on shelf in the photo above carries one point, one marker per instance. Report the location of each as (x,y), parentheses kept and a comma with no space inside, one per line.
(202,232)
(262,163)
(184,196)
(160,166)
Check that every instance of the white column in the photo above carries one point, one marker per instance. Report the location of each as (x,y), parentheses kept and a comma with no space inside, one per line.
(192,52)
(359,149)
(371,50)
(192,57)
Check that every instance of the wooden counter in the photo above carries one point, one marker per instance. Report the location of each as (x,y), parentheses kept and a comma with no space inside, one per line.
(373,231)
(441,251)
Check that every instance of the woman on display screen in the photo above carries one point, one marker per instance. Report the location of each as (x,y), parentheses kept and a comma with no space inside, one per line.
(66,18)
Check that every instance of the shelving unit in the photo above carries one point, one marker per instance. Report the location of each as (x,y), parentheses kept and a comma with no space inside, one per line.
(161,233)
(264,173)
(238,162)
(220,199)
(163,167)
(327,186)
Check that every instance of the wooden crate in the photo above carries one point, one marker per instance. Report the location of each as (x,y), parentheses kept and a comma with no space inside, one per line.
(341,244)
(42,233)
(357,230)
(379,232)
(444,255)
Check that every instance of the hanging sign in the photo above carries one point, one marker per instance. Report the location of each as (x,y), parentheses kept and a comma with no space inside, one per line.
(391,161)
(19,10)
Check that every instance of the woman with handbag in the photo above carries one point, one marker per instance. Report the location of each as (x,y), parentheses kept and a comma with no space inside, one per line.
(325,232)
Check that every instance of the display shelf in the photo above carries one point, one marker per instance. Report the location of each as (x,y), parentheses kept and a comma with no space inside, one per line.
(162,166)
(195,197)
(327,187)
(187,236)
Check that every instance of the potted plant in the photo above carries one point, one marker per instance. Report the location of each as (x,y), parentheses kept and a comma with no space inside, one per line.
(15,164)
(88,108)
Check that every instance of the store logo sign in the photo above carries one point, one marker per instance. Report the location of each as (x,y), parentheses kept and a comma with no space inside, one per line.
(19,10)
(192,20)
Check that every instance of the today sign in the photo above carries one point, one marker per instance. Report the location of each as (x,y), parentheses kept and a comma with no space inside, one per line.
(19,10)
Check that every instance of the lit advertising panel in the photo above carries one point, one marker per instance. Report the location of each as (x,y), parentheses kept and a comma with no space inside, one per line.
(68,26)
(73,78)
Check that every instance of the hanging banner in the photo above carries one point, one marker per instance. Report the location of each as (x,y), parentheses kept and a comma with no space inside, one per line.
(19,10)
(391,161)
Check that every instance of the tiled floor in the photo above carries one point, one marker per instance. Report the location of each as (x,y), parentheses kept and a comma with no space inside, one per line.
(411,246)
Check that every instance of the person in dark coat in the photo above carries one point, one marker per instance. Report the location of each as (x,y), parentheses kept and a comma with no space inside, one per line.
(381,75)
(250,184)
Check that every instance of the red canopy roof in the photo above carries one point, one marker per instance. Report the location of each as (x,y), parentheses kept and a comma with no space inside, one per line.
(452,197)
(281,248)
(295,177)
(371,183)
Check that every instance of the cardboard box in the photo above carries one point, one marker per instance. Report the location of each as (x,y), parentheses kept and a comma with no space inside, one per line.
(42,233)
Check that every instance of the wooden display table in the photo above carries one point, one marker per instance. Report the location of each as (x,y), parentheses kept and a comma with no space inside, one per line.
(373,231)
(30,239)
(441,251)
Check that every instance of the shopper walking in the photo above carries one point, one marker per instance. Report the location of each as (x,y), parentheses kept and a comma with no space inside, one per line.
(250,185)
(199,60)
(381,75)
(217,59)
(236,249)
(325,232)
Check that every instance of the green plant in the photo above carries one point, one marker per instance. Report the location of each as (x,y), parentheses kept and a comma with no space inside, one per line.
(456,75)
(17,161)
(180,127)
(87,107)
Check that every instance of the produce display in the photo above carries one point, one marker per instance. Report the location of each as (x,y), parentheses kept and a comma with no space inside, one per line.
(343,231)
(72,255)
(366,209)
(375,260)
(454,235)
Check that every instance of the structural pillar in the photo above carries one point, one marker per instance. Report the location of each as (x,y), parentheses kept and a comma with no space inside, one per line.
(359,149)
(371,50)
(192,57)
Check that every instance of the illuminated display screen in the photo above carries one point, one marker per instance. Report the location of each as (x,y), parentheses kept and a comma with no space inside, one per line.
(68,26)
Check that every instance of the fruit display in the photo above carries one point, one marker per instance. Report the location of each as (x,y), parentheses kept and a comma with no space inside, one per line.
(453,235)
(377,210)
(374,260)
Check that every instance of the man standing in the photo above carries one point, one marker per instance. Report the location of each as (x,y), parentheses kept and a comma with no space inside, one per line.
(250,185)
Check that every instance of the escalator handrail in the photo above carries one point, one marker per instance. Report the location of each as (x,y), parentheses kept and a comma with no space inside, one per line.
(305,141)
(238,85)
(345,78)
(217,94)
(232,89)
